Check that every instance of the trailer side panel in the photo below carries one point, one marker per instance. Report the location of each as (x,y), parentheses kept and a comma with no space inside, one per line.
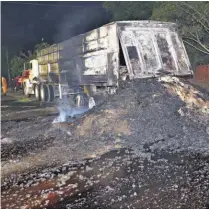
(91,58)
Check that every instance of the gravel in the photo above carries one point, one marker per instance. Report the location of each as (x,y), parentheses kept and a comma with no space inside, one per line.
(156,145)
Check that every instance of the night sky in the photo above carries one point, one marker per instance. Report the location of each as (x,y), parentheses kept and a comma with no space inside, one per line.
(25,23)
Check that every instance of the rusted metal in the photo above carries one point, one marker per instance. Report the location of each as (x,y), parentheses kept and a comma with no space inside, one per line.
(149,48)
(202,73)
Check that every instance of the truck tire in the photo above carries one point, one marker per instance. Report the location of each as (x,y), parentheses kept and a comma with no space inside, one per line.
(51,93)
(26,92)
(37,92)
(23,89)
(81,100)
(44,93)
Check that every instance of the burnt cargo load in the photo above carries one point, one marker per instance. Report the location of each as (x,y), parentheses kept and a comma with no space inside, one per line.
(97,59)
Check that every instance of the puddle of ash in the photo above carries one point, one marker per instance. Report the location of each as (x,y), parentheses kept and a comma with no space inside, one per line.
(118,179)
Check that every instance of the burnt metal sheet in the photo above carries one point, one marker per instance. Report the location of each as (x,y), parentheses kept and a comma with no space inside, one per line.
(152,48)
(94,57)
(165,53)
(93,79)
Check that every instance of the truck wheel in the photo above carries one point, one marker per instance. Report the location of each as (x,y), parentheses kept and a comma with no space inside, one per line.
(26,92)
(51,93)
(79,100)
(37,92)
(23,89)
(44,93)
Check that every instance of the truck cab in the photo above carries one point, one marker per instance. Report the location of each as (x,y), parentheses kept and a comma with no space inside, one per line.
(30,77)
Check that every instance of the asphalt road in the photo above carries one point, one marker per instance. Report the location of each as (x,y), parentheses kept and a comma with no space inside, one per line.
(15,106)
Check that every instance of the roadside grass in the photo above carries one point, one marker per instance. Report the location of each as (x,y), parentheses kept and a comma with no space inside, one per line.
(24,99)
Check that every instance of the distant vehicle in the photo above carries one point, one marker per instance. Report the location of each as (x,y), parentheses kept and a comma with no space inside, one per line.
(92,63)
(19,80)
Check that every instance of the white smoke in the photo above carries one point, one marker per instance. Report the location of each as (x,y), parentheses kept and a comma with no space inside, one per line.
(65,111)
(79,21)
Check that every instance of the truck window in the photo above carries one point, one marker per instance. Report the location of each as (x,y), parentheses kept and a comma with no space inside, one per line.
(27,65)
(134,59)
(121,56)
(132,52)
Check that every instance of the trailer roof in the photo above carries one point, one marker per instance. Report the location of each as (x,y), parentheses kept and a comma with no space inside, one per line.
(134,22)
(139,22)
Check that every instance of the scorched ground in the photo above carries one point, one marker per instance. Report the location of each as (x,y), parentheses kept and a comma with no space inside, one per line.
(145,147)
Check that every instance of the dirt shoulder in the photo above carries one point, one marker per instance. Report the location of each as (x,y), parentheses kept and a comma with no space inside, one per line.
(15,106)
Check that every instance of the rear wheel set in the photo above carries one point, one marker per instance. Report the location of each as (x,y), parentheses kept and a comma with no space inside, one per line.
(44,93)
(26,91)
(37,92)
(81,100)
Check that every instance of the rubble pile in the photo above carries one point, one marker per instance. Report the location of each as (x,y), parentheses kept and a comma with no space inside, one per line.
(165,117)
(165,113)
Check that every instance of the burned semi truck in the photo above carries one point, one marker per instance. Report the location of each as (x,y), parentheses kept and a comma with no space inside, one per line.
(92,63)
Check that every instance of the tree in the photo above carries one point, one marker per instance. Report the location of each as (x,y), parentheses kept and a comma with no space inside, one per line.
(129,10)
(40,46)
(191,17)
(17,61)
(16,65)
(193,21)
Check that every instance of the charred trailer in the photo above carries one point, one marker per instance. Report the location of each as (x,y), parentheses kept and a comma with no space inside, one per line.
(92,63)
(136,49)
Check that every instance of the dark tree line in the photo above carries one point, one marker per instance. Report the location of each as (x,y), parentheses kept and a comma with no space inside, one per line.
(191,17)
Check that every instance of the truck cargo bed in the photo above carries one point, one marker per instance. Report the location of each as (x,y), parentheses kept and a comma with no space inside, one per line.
(149,49)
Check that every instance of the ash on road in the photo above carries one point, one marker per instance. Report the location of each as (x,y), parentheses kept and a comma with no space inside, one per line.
(145,147)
